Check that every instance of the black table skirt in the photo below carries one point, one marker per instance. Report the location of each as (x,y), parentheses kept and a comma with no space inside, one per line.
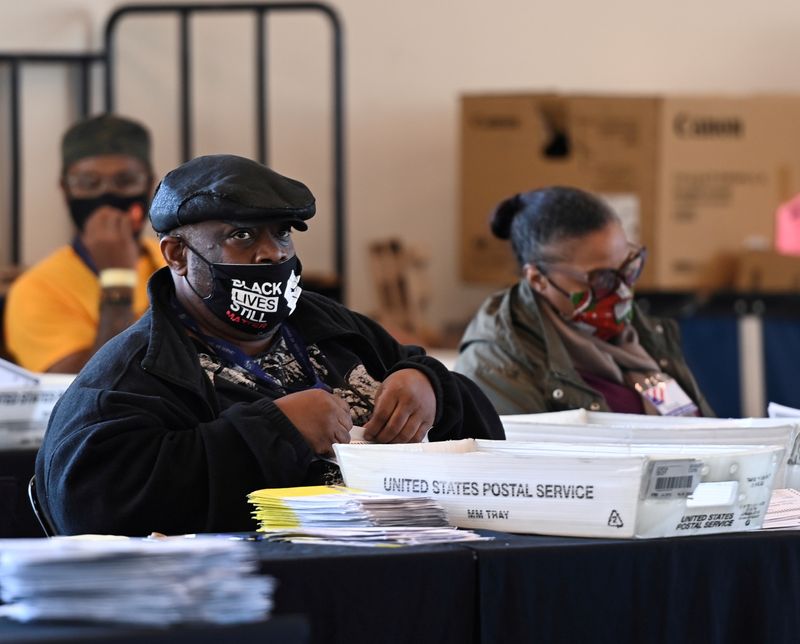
(715,589)
(720,589)
(16,515)
(377,595)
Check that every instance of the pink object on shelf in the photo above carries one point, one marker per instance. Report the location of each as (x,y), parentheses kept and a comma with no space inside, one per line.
(787,227)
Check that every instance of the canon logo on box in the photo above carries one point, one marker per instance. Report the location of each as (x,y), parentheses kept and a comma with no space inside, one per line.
(690,126)
(496,121)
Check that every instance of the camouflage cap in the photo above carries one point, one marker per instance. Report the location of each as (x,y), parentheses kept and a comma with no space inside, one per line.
(105,134)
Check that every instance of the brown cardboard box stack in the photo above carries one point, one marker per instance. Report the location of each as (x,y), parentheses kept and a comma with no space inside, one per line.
(695,179)
(767,272)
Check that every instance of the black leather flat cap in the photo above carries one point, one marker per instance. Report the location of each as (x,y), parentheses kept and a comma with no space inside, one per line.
(225,186)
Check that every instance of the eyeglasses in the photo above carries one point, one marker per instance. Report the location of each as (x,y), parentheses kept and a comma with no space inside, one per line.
(127,184)
(603,282)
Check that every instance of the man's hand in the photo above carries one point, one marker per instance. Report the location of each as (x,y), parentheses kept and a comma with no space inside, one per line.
(405,408)
(322,418)
(108,236)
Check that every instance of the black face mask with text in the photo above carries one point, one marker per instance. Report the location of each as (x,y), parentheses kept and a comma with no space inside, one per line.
(81,209)
(253,298)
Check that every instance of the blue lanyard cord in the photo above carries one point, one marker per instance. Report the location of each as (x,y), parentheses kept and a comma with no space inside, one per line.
(83,253)
(233,354)
(299,351)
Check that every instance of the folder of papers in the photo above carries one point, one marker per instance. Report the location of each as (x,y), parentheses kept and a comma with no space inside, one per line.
(588,427)
(343,516)
(602,489)
(156,582)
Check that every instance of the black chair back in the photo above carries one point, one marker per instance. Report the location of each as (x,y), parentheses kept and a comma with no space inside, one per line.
(41,515)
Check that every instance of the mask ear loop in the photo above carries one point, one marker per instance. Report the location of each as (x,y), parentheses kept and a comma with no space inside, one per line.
(582,303)
(204,260)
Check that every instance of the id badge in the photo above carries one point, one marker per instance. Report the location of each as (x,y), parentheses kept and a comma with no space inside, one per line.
(664,396)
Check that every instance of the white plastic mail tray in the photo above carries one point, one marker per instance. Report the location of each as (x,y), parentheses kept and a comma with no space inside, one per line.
(598,490)
(582,426)
(25,410)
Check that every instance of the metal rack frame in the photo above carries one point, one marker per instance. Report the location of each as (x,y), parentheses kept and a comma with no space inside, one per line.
(107,58)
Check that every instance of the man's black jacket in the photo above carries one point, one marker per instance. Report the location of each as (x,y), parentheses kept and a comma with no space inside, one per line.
(142,441)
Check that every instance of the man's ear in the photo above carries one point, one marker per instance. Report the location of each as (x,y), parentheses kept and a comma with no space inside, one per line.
(535,277)
(174,251)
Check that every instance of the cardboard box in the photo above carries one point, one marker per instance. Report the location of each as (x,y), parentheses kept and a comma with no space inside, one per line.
(695,179)
(768,272)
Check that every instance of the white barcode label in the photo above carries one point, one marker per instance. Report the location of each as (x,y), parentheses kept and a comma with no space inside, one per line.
(670,483)
(672,479)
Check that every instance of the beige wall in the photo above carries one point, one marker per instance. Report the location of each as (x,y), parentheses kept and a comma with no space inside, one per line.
(407,63)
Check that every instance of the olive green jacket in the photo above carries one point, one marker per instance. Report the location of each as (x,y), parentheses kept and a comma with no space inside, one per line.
(518,359)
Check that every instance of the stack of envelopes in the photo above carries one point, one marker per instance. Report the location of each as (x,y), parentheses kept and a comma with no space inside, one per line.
(338,515)
(151,582)
(784,511)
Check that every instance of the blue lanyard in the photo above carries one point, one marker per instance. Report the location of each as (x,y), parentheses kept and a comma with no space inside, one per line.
(235,355)
(83,252)
(299,351)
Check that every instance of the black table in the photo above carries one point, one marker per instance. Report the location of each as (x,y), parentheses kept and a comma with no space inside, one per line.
(377,595)
(721,589)
(717,589)
(278,630)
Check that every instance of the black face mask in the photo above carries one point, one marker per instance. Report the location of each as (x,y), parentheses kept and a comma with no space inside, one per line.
(253,298)
(82,209)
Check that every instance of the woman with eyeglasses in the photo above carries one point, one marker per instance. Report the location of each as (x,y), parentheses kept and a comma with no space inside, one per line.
(568,335)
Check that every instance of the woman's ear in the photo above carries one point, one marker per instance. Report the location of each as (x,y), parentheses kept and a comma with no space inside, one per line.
(535,277)
(174,251)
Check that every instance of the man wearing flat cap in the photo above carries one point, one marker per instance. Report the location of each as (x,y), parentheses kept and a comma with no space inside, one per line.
(235,379)
(62,310)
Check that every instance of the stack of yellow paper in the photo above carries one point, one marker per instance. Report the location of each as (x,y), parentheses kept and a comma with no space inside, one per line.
(329,507)
(342,516)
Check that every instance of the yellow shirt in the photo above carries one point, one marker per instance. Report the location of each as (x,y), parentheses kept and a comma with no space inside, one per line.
(53,309)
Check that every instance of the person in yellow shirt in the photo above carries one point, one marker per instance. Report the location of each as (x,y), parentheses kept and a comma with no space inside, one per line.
(62,310)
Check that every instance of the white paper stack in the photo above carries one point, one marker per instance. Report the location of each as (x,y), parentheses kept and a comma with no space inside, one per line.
(589,427)
(375,537)
(154,582)
(338,515)
(784,511)
(776,410)
(602,489)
